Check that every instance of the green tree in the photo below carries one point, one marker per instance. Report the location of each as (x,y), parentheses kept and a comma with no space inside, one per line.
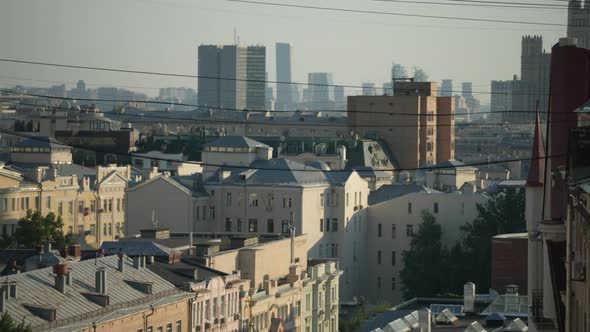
(424,261)
(34,229)
(7,324)
(502,213)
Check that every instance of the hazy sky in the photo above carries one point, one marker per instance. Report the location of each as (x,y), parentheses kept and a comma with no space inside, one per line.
(163,35)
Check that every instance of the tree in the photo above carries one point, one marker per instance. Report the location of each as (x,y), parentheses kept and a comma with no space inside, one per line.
(34,229)
(502,213)
(7,324)
(424,261)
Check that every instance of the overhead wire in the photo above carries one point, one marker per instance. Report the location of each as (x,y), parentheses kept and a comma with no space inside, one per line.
(230,166)
(119,70)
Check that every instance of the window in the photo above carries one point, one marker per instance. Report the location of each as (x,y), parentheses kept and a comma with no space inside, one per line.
(290,202)
(178,326)
(60,208)
(308,302)
(70,208)
(334,225)
(379,230)
(252,225)
(92,206)
(285,226)
(228,199)
(37,204)
(322,199)
(379,282)
(222,305)
(253,199)
(393,258)
(347,196)
(321,250)
(215,307)
(169,327)
(160,329)
(392,283)
(379,257)
(150,329)
(93,229)
(27,206)
(139,330)
(211,213)
(110,202)
(409,230)
(118,229)
(327,224)
(334,250)
(70,229)
(409,208)
(5,204)
(435,207)
(239,225)
(22,203)
(104,229)
(80,206)
(393,231)
(118,204)
(228,223)
(270,226)
(80,229)
(321,225)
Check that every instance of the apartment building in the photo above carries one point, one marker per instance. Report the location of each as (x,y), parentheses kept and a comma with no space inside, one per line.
(415,123)
(392,223)
(90,201)
(107,294)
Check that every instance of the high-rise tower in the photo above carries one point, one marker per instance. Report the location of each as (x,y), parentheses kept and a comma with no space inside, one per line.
(284,100)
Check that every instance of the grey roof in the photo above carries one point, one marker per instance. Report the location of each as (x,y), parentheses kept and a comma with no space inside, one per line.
(37,287)
(235,142)
(144,248)
(452,163)
(585,108)
(42,142)
(284,172)
(383,319)
(183,271)
(391,191)
(372,172)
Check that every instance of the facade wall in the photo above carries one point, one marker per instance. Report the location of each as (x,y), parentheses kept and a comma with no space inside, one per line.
(397,221)
(445,129)
(175,315)
(509,263)
(92,214)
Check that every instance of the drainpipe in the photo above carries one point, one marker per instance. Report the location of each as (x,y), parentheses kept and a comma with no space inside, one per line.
(145,317)
(568,264)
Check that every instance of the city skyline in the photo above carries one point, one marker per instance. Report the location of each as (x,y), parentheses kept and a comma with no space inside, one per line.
(147,48)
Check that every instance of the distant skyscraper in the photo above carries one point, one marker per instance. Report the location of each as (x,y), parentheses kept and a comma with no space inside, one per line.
(467,89)
(578,22)
(285,95)
(446,88)
(256,76)
(398,71)
(339,97)
(369,89)
(501,99)
(319,94)
(388,88)
(268,104)
(420,75)
(232,77)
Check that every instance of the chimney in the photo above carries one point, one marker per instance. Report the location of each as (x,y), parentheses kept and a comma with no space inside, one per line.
(47,246)
(75,251)
(137,262)
(13,289)
(69,278)
(469,297)
(3,291)
(142,261)
(121,262)
(60,271)
(101,280)
(270,287)
(63,252)
(150,259)
(196,274)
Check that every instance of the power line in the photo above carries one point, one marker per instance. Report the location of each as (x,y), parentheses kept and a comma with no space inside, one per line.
(310,169)
(360,11)
(277,121)
(119,70)
(236,109)
(485,4)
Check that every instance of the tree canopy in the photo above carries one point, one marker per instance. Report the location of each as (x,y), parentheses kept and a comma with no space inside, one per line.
(34,229)
(431,269)
(7,324)
(423,262)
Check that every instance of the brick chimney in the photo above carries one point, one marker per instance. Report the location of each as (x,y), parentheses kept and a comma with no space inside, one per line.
(101,280)
(60,271)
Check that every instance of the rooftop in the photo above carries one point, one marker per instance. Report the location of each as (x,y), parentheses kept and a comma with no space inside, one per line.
(235,142)
(42,142)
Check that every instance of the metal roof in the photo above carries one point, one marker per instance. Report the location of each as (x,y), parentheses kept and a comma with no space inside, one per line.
(37,287)
(42,142)
(235,142)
